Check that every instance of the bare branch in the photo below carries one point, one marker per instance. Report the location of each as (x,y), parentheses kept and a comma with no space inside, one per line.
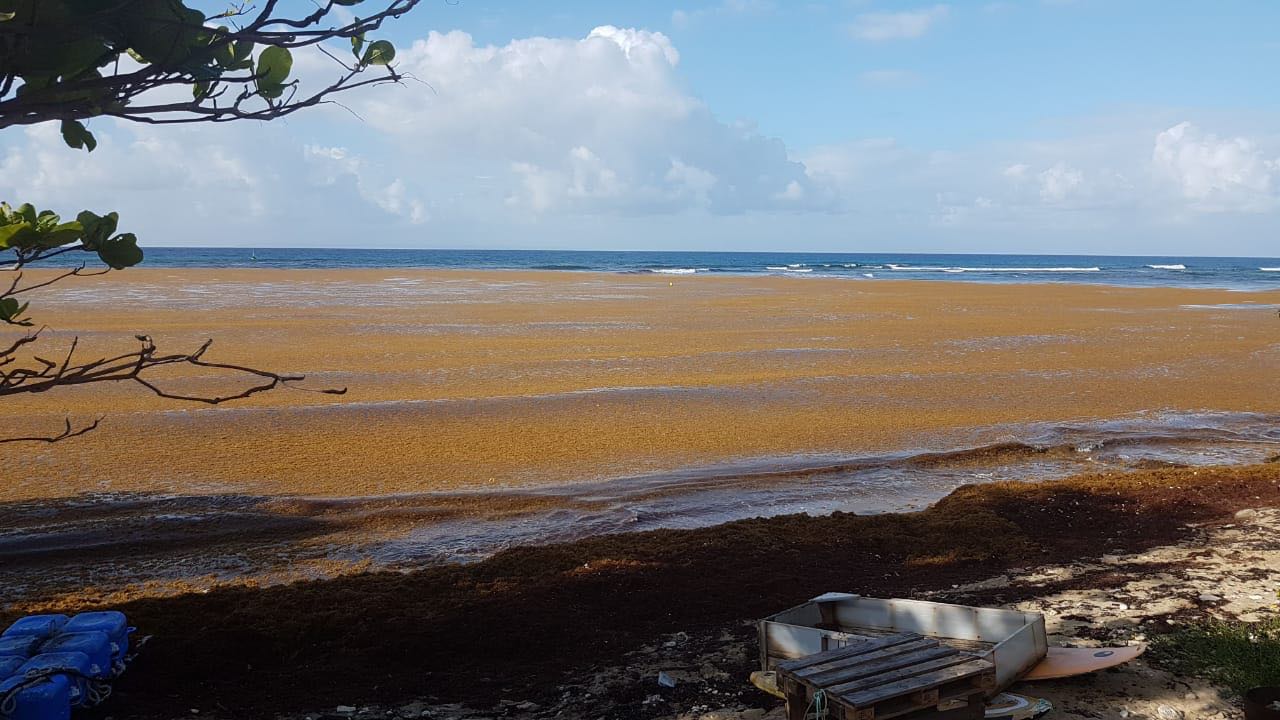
(66,433)
(130,367)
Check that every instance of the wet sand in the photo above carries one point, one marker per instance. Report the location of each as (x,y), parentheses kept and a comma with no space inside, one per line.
(466,379)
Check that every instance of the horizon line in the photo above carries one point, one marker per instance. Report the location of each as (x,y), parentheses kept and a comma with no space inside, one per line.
(697,252)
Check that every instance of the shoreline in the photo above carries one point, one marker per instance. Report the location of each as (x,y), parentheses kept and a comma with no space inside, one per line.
(442,635)
(61,545)
(1069,279)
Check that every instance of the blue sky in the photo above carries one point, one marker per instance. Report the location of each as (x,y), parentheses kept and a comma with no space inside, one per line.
(979,71)
(850,125)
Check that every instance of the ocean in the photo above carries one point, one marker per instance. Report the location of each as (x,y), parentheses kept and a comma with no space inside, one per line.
(1205,272)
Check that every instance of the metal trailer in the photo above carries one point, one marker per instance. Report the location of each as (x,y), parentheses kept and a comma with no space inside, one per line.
(1013,641)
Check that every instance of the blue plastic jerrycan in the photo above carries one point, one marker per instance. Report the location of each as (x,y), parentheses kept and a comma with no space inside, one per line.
(41,626)
(42,697)
(23,646)
(9,665)
(112,623)
(74,667)
(95,645)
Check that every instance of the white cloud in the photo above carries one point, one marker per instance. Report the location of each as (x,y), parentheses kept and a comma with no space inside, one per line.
(1017,171)
(546,142)
(1060,182)
(594,125)
(880,26)
(1216,174)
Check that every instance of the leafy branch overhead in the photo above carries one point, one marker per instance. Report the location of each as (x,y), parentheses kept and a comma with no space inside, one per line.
(33,236)
(71,60)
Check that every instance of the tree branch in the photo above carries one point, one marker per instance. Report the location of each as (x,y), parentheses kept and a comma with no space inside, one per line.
(67,432)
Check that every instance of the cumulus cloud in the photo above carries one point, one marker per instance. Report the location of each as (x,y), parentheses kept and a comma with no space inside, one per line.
(602,124)
(1060,182)
(880,26)
(1216,174)
(548,142)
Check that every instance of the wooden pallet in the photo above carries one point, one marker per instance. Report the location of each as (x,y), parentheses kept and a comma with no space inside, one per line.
(905,676)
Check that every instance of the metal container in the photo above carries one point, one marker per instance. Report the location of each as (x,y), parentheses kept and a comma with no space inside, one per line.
(1013,641)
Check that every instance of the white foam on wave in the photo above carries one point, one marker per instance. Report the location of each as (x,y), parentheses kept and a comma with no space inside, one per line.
(1270,269)
(799,269)
(1038,269)
(870,275)
(1177,266)
(674,271)
(775,267)
(929,268)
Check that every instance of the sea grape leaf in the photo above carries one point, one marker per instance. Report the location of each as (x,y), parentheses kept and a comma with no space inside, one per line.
(379,53)
(121,251)
(77,136)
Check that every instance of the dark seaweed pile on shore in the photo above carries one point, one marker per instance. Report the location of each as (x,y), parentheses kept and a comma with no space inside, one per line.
(517,623)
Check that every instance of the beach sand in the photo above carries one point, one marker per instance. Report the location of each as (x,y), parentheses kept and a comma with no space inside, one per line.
(469,379)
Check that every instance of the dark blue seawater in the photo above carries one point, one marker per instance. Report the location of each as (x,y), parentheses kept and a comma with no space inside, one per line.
(1234,273)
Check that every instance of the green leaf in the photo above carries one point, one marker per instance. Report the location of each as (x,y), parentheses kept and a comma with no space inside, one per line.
(15,234)
(121,251)
(357,44)
(379,53)
(274,64)
(60,235)
(11,310)
(97,229)
(7,16)
(241,51)
(200,90)
(77,136)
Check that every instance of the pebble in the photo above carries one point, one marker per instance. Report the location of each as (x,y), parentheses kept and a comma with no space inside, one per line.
(345,709)
(1247,514)
(1165,712)
(1209,598)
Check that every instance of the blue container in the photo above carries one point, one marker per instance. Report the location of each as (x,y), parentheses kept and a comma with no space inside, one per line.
(74,667)
(19,645)
(41,626)
(110,622)
(47,698)
(9,665)
(95,645)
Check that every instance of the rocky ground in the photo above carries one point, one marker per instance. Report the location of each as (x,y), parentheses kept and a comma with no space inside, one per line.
(1227,571)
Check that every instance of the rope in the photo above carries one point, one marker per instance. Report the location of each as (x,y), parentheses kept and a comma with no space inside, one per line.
(95,690)
(818,705)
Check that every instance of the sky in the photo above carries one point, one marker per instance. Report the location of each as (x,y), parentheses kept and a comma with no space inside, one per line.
(1023,126)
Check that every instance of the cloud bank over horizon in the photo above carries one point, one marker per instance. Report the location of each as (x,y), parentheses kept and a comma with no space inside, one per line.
(599,142)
